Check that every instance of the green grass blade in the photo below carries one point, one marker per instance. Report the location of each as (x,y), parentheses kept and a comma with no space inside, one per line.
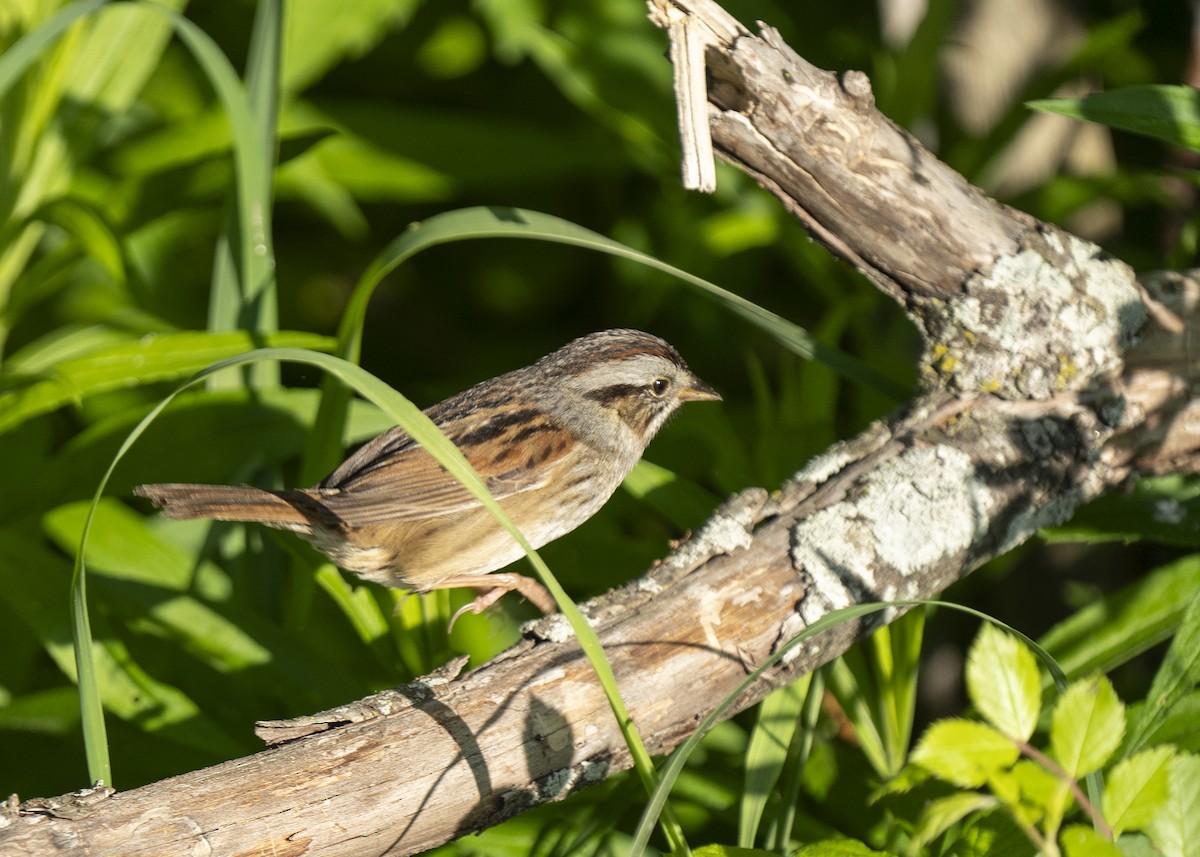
(91,708)
(1104,635)
(1176,677)
(770,739)
(243,291)
(16,60)
(243,287)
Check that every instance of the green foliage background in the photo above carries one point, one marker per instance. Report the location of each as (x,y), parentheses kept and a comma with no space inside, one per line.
(117,189)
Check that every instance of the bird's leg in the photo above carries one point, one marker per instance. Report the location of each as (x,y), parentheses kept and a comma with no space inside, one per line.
(497,585)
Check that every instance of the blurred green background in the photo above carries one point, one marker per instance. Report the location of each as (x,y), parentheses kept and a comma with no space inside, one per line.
(118,183)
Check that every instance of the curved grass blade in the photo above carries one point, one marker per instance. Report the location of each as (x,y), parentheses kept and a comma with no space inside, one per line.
(504,222)
(423,430)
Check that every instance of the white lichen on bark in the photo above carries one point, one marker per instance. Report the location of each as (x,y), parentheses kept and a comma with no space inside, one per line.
(1046,319)
(915,510)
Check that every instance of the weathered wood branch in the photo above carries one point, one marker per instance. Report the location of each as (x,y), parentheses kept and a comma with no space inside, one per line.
(1050,376)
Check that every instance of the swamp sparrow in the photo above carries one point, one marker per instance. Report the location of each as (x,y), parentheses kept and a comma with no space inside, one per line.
(551,441)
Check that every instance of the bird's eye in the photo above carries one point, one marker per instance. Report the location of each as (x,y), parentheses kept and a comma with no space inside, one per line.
(659,387)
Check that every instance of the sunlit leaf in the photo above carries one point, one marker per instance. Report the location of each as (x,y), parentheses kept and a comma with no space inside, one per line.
(964,752)
(1170,113)
(1080,841)
(1176,828)
(1087,726)
(1176,678)
(1003,682)
(1136,789)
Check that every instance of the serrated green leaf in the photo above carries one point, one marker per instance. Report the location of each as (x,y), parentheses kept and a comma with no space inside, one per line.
(1080,841)
(1087,726)
(1170,113)
(1176,828)
(1137,789)
(939,815)
(1038,787)
(1003,682)
(1136,845)
(964,752)
(150,359)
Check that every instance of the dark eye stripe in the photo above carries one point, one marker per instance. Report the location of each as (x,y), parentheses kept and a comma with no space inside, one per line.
(613,393)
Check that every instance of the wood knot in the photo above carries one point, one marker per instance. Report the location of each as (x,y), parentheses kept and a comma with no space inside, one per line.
(857,85)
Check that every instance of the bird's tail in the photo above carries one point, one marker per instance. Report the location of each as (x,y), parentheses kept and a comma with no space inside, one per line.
(293,510)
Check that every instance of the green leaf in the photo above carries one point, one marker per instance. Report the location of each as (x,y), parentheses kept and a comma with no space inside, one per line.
(1080,841)
(322,33)
(17,59)
(148,578)
(151,359)
(255,301)
(1038,787)
(1137,789)
(1176,828)
(1175,679)
(939,815)
(729,851)
(503,222)
(1087,726)
(89,227)
(1170,113)
(837,848)
(1003,682)
(247,299)
(964,752)
(897,658)
(778,715)
(1119,627)
(34,582)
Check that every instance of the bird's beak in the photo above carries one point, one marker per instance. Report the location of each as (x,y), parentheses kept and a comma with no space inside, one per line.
(698,391)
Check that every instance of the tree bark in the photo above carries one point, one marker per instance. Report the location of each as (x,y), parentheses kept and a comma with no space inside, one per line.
(1050,376)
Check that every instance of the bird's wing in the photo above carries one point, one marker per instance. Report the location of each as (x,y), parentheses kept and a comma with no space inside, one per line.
(393,478)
